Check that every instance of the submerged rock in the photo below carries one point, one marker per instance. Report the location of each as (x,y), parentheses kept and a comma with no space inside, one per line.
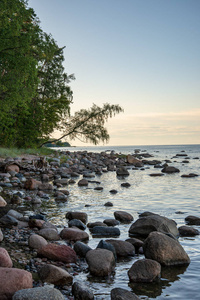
(192,220)
(187,231)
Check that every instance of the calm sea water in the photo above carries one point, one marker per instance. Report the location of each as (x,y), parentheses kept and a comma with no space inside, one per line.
(169,195)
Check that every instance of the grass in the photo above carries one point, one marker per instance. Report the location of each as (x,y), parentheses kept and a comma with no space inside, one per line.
(15,152)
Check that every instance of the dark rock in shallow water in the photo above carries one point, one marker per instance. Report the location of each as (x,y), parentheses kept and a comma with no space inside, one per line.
(123,216)
(77,223)
(125,184)
(111,222)
(122,171)
(122,248)
(105,231)
(136,243)
(122,294)
(145,225)
(108,203)
(170,170)
(165,250)
(113,191)
(81,292)
(188,231)
(93,224)
(74,234)
(145,270)
(104,245)
(77,215)
(81,249)
(192,220)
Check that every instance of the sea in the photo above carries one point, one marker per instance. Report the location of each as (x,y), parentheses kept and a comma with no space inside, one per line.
(171,196)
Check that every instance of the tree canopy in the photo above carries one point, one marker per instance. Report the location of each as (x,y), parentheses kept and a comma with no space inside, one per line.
(35,95)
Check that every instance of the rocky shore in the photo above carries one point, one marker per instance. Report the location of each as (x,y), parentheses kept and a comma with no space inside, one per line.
(39,260)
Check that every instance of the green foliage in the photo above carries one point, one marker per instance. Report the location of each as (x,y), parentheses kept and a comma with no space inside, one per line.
(15,152)
(88,124)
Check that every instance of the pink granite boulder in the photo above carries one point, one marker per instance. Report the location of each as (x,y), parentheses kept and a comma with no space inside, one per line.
(58,252)
(5,260)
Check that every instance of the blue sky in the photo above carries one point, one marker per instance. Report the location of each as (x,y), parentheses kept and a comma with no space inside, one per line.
(141,54)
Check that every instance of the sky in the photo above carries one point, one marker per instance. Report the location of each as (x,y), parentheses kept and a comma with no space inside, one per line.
(141,54)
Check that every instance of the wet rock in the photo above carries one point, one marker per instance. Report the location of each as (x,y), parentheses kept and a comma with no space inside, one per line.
(61,182)
(8,221)
(45,186)
(165,250)
(98,188)
(122,294)
(111,222)
(187,231)
(113,191)
(74,234)
(144,225)
(94,224)
(125,184)
(81,249)
(36,241)
(101,262)
(83,182)
(192,220)
(108,203)
(170,170)
(77,215)
(36,223)
(81,292)
(136,243)
(13,280)
(122,248)
(156,174)
(15,214)
(122,171)
(5,260)
(191,175)
(105,231)
(123,216)
(104,245)
(58,252)
(134,161)
(77,223)
(42,293)
(49,234)
(144,270)
(2,202)
(55,275)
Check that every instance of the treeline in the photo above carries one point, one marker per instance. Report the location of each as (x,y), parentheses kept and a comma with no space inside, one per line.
(35,95)
(34,91)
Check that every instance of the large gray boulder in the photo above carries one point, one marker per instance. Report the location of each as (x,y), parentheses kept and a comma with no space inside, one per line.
(122,248)
(145,225)
(165,250)
(55,275)
(101,262)
(144,270)
(81,292)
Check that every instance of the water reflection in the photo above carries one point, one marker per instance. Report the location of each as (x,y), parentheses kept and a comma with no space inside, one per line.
(153,290)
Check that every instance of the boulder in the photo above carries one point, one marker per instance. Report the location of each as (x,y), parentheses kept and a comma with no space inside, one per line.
(123,216)
(2,202)
(13,280)
(36,241)
(5,260)
(122,294)
(77,215)
(81,292)
(145,225)
(187,231)
(81,249)
(83,182)
(55,275)
(74,234)
(111,222)
(192,220)
(32,184)
(165,250)
(170,170)
(144,270)
(12,168)
(134,161)
(104,245)
(8,221)
(136,243)
(122,248)
(15,214)
(42,293)
(58,252)
(77,223)
(122,171)
(101,262)
(104,231)
(94,224)
(49,234)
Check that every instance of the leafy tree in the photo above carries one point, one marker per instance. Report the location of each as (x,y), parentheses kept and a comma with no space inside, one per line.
(19,32)
(88,124)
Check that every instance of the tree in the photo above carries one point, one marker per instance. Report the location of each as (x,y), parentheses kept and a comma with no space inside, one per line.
(19,33)
(88,124)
